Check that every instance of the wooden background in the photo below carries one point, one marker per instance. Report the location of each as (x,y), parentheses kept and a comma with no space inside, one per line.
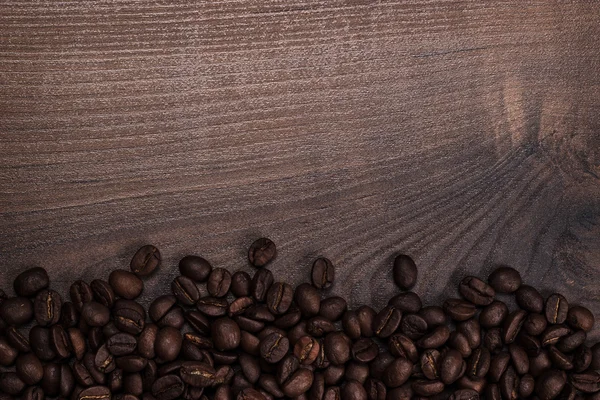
(464,133)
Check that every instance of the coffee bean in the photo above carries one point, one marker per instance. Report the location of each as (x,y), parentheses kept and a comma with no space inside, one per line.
(323,273)
(16,311)
(32,393)
(185,290)
(332,308)
(131,363)
(505,279)
(571,342)
(29,368)
(531,344)
(337,348)
(225,333)
(357,371)
(427,388)
(219,282)
(95,393)
(298,383)
(459,342)
(261,252)
(476,291)
(553,334)
(436,338)
(472,330)
(433,315)
(556,308)
(353,390)
(404,272)
(31,281)
(46,307)
(513,324)
(274,347)
(539,364)
(387,321)
(526,386)
(587,382)
(104,361)
(364,350)
(401,345)
(125,284)
(41,343)
(451,366)
(8,354)
(195,268)
(121,344)
(550,384)
(259,312)
(479,363)
(519,358)
(580,317)
(60,341)
(378,366)
(308,299)
(376,390)
(529,299)
(492,392)
(333,374)
(250,394)
(145,260)
(430,364)
(129,317)
(366,316)
(95,314)
(351,324)
(306,350)
(413,326)
(81,293)
(493,315)
(459,310)
(168,343)
(279,298)
(509,384)
(535,324)
(168,387)
(559,359)
(261,282)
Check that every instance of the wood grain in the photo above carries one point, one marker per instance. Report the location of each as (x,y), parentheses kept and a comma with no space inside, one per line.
(464,133)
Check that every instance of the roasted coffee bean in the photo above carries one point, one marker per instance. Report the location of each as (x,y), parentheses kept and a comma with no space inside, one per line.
(409,302)
(459,310)
(509,384)
(95,338)
(539,364)
(168,387)
(364,350)
(225,334)
(492,392)
(81,293)
(559,359)
(535,324)
(279,298)
(553,334)
(404,272)
(401,345)
(95,314)
(433,315)
(269,384)
(498,365)
(307,349)
(185,290)
(299,382)
(582,359)
(250,394)
(77,340)
(8,354)
(436,338)
(95,393)
(131,363)
(133,384)
(198,321)
(16,339)
(580,317)
(219,282)
(459,341)
(29,368)
(104,361)
(571,342)
(332,308)
(357,371)
(493,315)
(308,299)
(451,366)
(60,341)
(464,394)
(479,363)
(41,343)
(250,367)
(529,299)
(587,382)
(121,344)
(259,312)
(274,347)
(145,260)
(323,273)
(11,384)
(366,316)
(351,324)
(33,393)
(476,291)
(556,308)
(125,284)
(195,268)
(103,292)
(69,316)
(240,306)
(505,279)
(334,374)
(212,306)
(376,390)
(261,282)
(472,330)
(513,324)
(337,348)
(427,388)
(168,343)
(550,384)
(31,281)
(531,344)
(492,340)
(413,326)
(16,311)
(129,318)
(430,364)
(46,307)
(261,252)
(526,386)
(387,321)
(519,358)
(353,390)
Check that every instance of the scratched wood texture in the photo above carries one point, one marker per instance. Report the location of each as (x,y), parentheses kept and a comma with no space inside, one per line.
(464,133)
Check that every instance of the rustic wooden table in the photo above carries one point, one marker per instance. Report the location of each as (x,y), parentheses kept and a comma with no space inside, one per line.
(464,133)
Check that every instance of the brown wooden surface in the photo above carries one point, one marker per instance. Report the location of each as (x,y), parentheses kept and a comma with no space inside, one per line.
(465,133)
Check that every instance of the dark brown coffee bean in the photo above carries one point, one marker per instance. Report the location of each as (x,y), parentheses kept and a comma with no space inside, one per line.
(459,310)
(129,316)
(46,307)
(145,260)
(60,341)
(366,316)
(492,340)
(323,273)
(259,312)
(131,363)
(298,383)
(519,358)
(185,290)
(476,291)
(571,342)
(436,338)
(198,321)
(254,326)
(353,390)
(240,305)
(459,341)
(8,353)
(409,302)
(427,388)
(104,361)
(29,368)
(351,324)
(125,284)
(539,364)
(357,371)
(212,306)
(240,284)
(122,344)
(580,317)
(103,292)
(95,314)
(430,364)
(553,334)
(31,281)
(433,315)
(451,366)
(492,392)
(78,343)
(364,350)
(16,342)
(31,393)
(41,343)
(250,394)
(472,330)
(81,293)
(559,359)
(529,299)
(95,393)
(513,324)
(16,311)
(404,272)
(261,282)
(531,344)
(556,308)
(69,316)
(219,282)
(535,324)
(380,363)
(261,252)
(195,268)
(498,365)
(332,308)
(95,338)
(505,279)
(250,367)
(308,299)
(413,326)
(274,347)
(307,349)
(550,384)
(168,343)
(387,321)
(526,386)
(134,384)
(337,348)
(493,315)
(168,387)
(376,390)
(397,372)
(479,363)
(225,333)
(279,298)
(587,382)
(509,384)
(269,384)
(401,345)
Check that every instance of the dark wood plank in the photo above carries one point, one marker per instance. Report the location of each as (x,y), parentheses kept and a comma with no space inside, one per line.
(461,132)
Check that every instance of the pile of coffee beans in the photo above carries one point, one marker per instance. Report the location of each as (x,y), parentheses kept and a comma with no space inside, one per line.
(222,336)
